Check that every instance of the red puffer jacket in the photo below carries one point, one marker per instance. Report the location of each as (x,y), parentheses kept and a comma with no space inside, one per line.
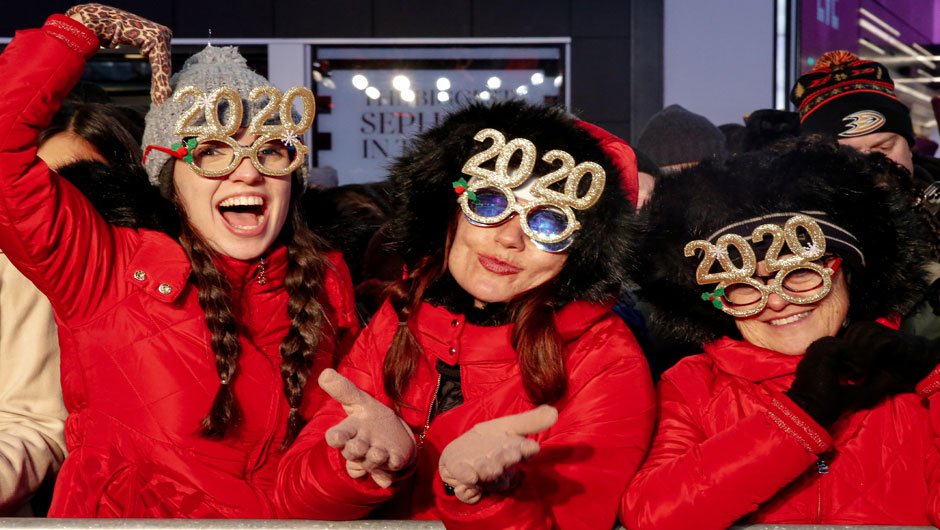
(138,374)
(586,458)
(731,447)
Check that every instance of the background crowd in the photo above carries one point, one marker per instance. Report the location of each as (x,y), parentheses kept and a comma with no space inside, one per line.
(467,340)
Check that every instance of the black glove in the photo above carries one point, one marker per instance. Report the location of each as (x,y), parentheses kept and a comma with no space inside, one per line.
(858,370)
(891,361)
(820,388)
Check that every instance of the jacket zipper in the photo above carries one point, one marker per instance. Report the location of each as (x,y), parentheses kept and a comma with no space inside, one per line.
(822,468)
(427,421)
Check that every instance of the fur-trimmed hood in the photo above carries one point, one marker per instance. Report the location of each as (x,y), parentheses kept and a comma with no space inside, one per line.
(424,201)
(810,174)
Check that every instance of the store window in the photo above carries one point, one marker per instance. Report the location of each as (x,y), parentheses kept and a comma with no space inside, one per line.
(371,100)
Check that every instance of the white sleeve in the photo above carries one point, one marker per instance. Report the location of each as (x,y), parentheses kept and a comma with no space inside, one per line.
(32,414)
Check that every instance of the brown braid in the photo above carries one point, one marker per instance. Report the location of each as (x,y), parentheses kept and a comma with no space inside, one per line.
(405,296)
(306,269)
(212,289)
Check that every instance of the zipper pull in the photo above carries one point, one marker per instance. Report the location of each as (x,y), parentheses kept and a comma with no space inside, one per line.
(261,278)
(822,467)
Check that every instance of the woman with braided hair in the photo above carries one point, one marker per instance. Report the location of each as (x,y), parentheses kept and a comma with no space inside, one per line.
(500,342)
(789,267)
(185,356)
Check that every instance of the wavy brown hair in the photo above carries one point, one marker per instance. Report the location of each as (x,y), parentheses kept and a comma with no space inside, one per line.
(306,268)
(535,339)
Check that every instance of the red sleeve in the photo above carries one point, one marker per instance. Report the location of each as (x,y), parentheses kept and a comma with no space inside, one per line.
(47,227)
(933,461)
(339,294)
(312,482)
(603,431)
(693,480)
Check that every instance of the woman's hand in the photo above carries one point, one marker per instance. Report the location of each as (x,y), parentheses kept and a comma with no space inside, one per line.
(114,26)
(868,363)
(373,438)
(893,360)
(485,455)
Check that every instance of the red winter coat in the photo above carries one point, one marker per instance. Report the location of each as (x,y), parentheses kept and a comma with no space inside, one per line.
(138,374)
(603,429)
(730,446)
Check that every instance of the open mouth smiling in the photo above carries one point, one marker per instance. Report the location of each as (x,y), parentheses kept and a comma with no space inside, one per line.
(243,213)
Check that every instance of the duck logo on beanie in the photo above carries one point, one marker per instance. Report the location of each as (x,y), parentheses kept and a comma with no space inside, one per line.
(862,122)
(844,88)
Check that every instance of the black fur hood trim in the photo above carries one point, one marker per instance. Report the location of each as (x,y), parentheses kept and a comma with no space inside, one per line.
(809,174)
(424,201)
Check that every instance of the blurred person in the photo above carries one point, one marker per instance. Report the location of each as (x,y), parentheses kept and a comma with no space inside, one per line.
(676,138)
(764,127)
(802,407)
(494,388)
(186,356)
(734,137)
(852,101)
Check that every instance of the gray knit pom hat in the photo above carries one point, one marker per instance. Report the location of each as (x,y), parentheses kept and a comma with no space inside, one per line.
(213,67)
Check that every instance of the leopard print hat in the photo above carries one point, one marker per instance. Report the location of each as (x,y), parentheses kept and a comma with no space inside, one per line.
(213,67)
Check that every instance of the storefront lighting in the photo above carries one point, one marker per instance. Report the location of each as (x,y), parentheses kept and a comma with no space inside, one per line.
(443,97)
(401,83)
(558,81)
(443,84)
(360,82)
(485,95)
(538,78)
(408,95)
(522,90)
(493,83)
(373,93)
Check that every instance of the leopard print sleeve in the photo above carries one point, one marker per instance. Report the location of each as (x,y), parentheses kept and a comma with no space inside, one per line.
(115,26)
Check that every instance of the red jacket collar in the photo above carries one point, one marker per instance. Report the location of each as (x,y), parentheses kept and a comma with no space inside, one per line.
(745,360)
(162,268)
(449,337)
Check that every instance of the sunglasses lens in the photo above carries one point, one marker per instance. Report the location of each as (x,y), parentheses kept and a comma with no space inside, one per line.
(546,223)
(489,203)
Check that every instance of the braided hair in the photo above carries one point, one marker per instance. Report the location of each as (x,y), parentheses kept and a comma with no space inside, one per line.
(306,269)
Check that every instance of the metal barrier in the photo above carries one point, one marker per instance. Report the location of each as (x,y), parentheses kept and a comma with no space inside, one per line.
(285,524)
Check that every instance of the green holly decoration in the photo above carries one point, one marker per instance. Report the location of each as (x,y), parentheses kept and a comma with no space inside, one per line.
(460,187)
(714,297)
(185,149)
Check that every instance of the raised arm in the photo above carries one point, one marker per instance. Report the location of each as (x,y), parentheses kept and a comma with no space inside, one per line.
(47,228)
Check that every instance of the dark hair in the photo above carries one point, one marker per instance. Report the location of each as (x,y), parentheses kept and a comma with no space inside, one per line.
(111,132)
(426,211)
(534,335)
(306,270)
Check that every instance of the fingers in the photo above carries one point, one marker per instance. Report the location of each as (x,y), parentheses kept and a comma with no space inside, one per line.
(339,434)
(530,422)
(383,478)
(468,494)
(355,450)
(355,470)
(341,389)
